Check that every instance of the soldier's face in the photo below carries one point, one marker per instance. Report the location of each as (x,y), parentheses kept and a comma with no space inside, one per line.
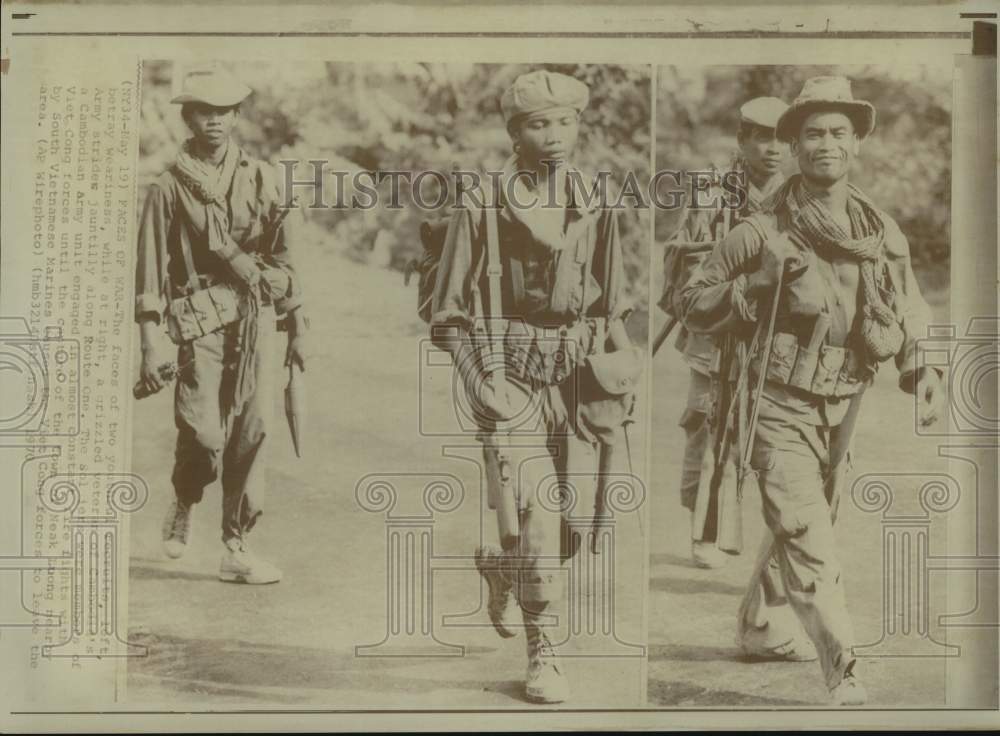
(826,146)
(548,135)
(210,125)
(763,153)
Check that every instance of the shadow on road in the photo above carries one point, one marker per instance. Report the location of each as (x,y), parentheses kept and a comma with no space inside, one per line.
(691,586)
(153,572)
(662,692)
(239,669)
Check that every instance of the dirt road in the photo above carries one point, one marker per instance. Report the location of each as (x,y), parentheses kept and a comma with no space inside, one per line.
(213,644)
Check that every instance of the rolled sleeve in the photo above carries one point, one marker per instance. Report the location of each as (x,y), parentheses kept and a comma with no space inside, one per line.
(911,309)
(452,305)
(151,276)
(612,271)
(284,243)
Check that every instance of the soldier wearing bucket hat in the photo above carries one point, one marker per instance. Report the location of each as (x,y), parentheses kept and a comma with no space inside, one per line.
(716,522)
(555,276)
(822,281)
(215,268)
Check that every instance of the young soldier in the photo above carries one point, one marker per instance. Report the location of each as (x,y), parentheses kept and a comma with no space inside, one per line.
(561,293)
(757,163)
(847,300)
(214,265)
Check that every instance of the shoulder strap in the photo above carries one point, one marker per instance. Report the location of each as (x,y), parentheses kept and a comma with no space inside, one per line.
(185,238)
(608,214)
(494,270)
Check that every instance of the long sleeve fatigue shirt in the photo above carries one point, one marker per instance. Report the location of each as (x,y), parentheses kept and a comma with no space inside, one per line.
(700,226)
(715,301)
(553,279)
(172,215)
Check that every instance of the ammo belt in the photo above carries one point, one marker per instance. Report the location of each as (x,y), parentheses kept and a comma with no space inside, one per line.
(543,356)
(828,370)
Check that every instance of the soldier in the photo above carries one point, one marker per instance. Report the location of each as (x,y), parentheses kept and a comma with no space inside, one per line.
(826,277)
(757,163)
(214,265)
(559,288)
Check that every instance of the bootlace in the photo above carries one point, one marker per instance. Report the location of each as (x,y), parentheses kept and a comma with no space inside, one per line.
(540,645)
(181,522)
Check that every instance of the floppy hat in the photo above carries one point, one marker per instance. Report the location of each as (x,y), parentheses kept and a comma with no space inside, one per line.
(826,93)
(542,90)
(212,86)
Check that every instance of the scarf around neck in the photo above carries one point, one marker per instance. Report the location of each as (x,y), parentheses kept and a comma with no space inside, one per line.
(210,185)
(865,244)
(548,226)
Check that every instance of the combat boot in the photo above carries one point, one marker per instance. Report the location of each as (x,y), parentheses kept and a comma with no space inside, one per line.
(240,565)
(176,530)
(502,605)
(545,681)
(849,691)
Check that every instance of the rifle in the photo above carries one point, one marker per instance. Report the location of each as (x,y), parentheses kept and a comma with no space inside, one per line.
(500,491)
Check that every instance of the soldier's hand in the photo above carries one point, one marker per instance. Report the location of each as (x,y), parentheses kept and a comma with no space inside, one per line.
(153,357)
(245,269)
(295,354)
(277,282)
(780,259)
(930,397)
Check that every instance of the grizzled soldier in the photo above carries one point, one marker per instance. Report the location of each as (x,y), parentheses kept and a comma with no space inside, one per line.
(835,272)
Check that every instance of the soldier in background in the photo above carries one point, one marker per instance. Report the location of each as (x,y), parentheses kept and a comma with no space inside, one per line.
(556,277)
(214,267)
(757,164)
(823,279)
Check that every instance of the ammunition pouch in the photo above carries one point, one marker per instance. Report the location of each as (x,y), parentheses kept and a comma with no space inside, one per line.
(204,311)
(832,372)
(607,385)
(547,356)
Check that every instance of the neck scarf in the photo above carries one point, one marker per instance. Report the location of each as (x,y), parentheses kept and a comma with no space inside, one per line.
(210,185)
(865,244)
(548,225)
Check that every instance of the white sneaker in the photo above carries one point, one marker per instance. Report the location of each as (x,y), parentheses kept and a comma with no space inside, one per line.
(850,691)
(176,530)
(240,565)
(707,555)
(545,681)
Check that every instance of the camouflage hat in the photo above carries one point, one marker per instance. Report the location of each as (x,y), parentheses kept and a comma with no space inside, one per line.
(212,86)
(542,90)
(762,111)
(826,93)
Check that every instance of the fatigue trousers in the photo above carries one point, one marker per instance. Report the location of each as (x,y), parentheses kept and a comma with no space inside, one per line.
(697,468)
(798,575)
(554,478)
(213,437)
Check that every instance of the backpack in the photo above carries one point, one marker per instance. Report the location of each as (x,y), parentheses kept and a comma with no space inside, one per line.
(432,237)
